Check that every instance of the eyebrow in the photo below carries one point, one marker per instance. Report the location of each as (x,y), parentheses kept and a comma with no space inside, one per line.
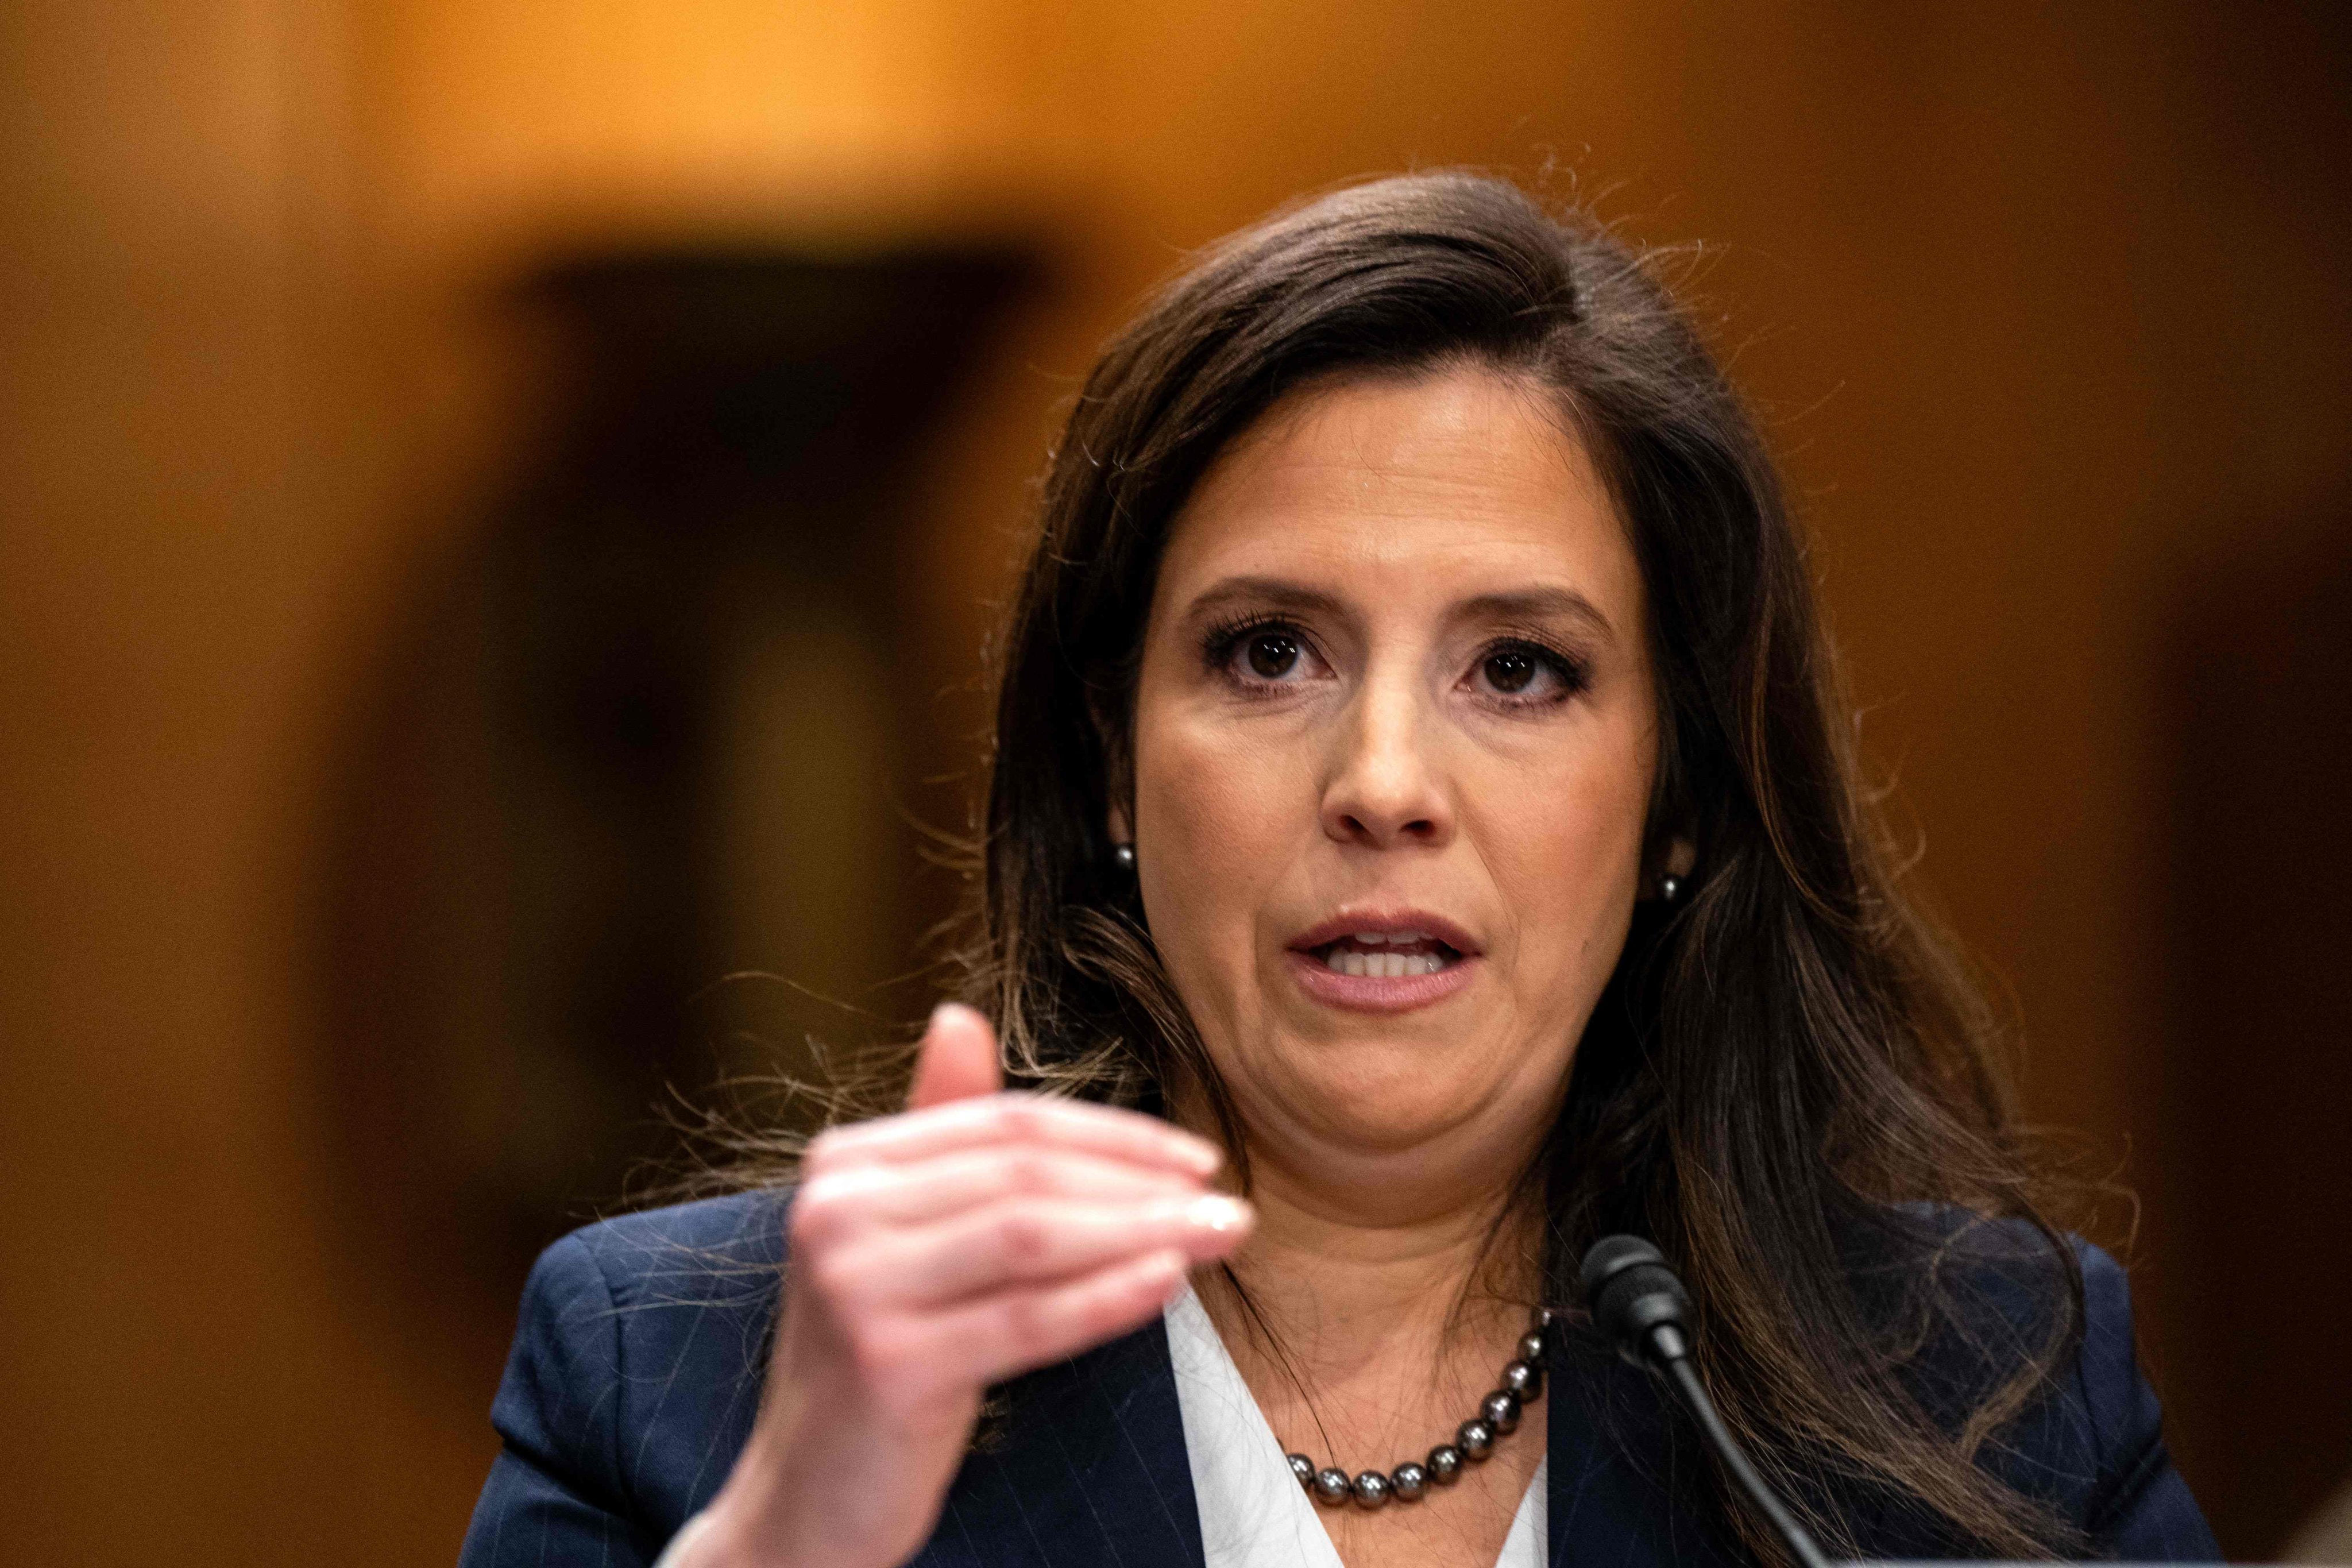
(1275,592)
(1535,603)
(1532,604)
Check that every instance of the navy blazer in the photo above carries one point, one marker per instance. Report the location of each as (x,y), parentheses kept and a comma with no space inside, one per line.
(637,1363)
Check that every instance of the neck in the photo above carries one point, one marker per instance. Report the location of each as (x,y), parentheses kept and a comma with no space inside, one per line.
(1322,1263)
(1385,1286)
(1397,1253)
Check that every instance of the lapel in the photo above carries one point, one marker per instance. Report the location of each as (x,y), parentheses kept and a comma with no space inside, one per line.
(1617,1495)
(1088,1470)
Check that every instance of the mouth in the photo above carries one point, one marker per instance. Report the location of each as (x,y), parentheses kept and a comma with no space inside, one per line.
(1382,955)
(1383,963)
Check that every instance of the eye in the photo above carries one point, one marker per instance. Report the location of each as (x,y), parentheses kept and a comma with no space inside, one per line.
(1262,655)
(1510,670)
(1525,674)
(1272,654)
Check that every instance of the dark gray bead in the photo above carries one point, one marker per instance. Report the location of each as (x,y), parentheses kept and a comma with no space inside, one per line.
(1409,1480)
(1543,1317)
(1446,1463)
(1371,1490)
(1531,1345)
(1304,1469)
(1524,1378)
(1476,1439)
(1500,1410)
(1333,1487)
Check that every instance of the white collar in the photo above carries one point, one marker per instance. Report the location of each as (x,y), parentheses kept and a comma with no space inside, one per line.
(1253,1514)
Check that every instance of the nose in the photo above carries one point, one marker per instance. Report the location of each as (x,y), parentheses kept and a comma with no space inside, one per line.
(1384,789)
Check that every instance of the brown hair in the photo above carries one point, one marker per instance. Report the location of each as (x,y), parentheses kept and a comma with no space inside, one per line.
(1789,1083)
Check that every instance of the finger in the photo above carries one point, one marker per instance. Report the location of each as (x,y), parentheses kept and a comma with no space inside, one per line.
(836,1203)
(1023,1241)
(1017,1117)
(1008,1333)
(957,1060)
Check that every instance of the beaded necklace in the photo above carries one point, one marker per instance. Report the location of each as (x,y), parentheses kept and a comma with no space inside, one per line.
(1474,1440)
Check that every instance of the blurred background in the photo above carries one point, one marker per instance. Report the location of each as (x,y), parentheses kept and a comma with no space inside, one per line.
(499,508)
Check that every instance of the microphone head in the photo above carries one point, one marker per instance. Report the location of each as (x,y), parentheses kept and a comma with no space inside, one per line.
(1632,1293)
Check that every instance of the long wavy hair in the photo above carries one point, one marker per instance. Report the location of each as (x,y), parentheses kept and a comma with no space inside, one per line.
(1789,1067)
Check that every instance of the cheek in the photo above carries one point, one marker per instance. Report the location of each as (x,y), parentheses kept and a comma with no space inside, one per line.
(1567,861)
(1215,824)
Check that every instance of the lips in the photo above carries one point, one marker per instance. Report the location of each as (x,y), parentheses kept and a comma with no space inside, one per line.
(1384,962)
(1387,924)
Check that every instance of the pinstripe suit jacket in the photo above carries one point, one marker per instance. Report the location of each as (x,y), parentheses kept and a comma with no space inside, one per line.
(637,1362)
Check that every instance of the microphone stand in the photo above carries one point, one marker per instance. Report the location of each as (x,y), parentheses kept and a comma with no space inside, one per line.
(1639,1303)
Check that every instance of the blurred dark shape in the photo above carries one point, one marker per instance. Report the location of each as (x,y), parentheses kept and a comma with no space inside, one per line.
(654,722)
(2259,1061)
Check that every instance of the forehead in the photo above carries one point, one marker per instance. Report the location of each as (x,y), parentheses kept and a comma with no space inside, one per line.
(1457,482)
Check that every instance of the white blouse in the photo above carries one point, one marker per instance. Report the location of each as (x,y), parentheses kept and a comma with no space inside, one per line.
(1254,1514)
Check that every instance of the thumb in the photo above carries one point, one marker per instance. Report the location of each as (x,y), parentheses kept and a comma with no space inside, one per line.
(957,1059)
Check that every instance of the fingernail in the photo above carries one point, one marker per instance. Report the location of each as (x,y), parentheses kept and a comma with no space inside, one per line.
(1217,1214)
(1201,1154)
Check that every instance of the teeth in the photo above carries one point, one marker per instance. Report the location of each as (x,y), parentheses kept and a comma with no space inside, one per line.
(1371,938)
(1381,965)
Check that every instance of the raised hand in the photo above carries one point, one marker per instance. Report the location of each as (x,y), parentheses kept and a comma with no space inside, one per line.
(973,1237)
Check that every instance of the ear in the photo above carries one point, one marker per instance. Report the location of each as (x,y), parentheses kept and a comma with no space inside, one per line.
(1681,855)
(1111,745)
(1673,856)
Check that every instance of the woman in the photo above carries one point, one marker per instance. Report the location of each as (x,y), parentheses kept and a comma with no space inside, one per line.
(1421,840)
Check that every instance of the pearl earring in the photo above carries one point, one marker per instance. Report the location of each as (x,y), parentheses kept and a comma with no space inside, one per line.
(1670,887)
(1123,857)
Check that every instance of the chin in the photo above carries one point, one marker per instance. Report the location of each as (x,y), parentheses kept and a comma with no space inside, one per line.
(1383,1107)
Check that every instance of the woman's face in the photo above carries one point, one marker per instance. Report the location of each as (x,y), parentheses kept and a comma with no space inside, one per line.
(1395,740)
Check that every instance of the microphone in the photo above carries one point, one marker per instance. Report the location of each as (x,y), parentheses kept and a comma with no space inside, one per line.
(1637,1301)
